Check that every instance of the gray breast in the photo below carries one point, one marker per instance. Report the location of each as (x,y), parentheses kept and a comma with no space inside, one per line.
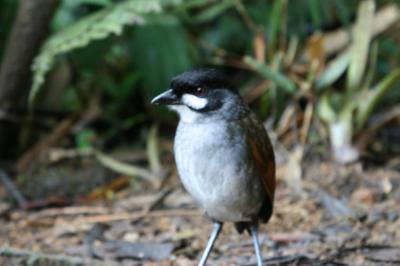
(215,167)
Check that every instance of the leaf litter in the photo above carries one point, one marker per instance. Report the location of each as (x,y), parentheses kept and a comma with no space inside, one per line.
(342,215)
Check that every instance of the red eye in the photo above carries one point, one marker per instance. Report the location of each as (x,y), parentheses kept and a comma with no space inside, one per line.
(199,91)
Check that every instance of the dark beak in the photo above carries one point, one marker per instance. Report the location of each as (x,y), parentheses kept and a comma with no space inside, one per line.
(166,98)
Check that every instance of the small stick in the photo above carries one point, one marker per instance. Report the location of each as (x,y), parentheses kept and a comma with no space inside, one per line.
(68,211)
(137,215)
(33,256)
(308,114)
(13,190)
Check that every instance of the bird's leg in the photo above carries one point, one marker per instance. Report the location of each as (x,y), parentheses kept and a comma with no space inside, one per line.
(214,235)
(254,235)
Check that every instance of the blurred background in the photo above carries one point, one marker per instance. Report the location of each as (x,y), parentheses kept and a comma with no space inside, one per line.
(86,162)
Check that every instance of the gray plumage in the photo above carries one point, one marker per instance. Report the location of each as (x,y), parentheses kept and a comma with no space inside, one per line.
(222,152)
(215,164)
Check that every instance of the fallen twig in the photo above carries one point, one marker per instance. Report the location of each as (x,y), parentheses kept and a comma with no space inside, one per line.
(290,260)
(158,199)
(52,201)
(137,215)
(288,237)
(67,211)
(33,256)
(12,189)
(308,115)
(344,250)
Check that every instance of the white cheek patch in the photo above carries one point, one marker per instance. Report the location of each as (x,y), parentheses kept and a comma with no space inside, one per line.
(187,115)
(194,101)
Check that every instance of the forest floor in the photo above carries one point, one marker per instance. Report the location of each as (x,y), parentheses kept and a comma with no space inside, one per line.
(327,215)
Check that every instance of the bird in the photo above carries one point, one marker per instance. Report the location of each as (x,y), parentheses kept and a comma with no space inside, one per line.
(223,154)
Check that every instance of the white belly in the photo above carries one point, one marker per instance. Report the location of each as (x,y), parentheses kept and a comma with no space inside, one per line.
(214,165)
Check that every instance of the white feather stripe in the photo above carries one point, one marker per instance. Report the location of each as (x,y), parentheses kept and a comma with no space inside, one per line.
(194,101)
(187,115)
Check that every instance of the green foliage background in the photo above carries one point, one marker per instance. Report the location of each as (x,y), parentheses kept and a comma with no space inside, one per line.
(127,51)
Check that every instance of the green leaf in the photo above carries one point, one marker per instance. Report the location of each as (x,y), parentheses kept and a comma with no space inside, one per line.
(362,35)
(213,11)
(194,4)
(325,110)
(371,71)
(93,2)
(333,71)
(314,9)
(275,22)
(99,25)
(159,53)
(125,168)
(85,138)
(224,30)
(374,96)
(153,152)
(343,11)
(280,79)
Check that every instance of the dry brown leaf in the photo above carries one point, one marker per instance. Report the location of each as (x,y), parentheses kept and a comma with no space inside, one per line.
(259,47)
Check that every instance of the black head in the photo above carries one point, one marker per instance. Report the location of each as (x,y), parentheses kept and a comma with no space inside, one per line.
(201,90)
(207,79)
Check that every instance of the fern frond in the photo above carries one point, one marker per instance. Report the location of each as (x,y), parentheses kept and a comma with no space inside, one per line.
(100,25)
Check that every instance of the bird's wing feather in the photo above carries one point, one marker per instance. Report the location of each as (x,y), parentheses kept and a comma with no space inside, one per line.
(263,155)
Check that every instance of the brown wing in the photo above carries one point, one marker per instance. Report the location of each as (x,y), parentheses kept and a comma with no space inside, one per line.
(263,155)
